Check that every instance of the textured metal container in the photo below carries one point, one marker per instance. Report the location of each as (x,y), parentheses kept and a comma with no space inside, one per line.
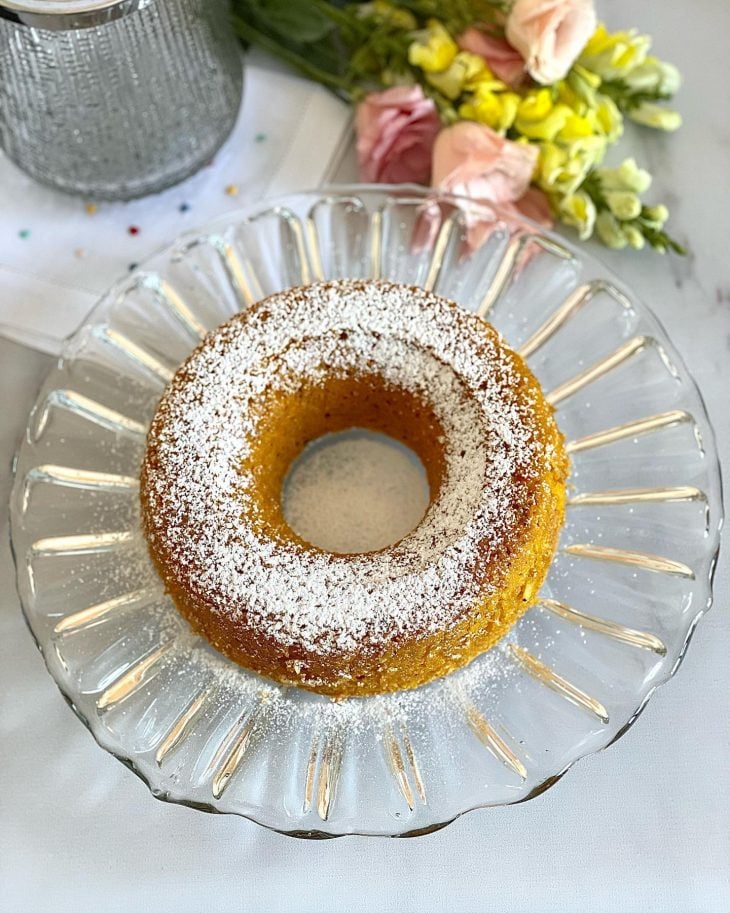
(113,99)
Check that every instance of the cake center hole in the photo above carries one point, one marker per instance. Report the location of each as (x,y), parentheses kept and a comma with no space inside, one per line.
(355,491)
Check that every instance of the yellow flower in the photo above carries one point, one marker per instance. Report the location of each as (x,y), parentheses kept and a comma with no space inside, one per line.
(551,166)
(495,109)
(609,120)
(578,210)
(597,112)
(580,89)
(510,102)
(466,71)
(563,167)
(478,73)
(434,49)
(538,118)
(536,106)
(576,127)
(614,54)
(570,97)
(592,80)
(651,115)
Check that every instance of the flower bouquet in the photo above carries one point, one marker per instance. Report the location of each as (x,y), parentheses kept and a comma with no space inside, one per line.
(513,103)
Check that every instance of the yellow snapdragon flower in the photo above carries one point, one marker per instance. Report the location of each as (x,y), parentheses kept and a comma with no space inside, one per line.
(567,95)
(601,116)
(434,49)
(608,118)
(614,54)
(479,75)
(586,77)
(536,106)
(578,210)
(577,127)
(466,72)
(562,168)
(496,109)
(538,117)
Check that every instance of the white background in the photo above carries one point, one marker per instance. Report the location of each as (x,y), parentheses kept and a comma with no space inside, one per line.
(642,827)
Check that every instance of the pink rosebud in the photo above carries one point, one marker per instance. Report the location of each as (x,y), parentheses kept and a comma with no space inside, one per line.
(550,34)
(503,60)
(396,130)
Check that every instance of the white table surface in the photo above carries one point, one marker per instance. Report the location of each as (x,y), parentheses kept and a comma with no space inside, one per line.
(644,826)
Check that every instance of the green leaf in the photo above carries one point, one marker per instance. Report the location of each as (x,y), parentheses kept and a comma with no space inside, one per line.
(295,58)
(297,20)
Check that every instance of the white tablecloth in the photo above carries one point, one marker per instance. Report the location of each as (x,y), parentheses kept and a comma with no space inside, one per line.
(641,828)
(58,254)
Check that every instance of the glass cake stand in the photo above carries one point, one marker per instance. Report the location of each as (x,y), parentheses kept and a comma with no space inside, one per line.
(630,579)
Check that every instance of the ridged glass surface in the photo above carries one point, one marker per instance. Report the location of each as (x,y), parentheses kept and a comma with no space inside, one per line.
(629,581)
(122,108)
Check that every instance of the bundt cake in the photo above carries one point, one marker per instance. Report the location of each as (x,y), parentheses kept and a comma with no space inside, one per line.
(319,359)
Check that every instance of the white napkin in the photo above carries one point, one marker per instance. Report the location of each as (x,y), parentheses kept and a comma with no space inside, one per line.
(56,258)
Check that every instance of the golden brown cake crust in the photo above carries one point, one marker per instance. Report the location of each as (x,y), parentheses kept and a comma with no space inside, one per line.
(319,359)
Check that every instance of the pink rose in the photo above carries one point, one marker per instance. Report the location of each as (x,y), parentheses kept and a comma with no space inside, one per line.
(471,160)
(396,130)
(550,34)
(504,61)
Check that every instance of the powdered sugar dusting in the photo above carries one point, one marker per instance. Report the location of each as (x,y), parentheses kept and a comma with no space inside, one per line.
(197,492)
(355,492)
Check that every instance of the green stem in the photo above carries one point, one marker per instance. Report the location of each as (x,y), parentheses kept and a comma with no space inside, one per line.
(347,20)
(249,33)
(627,99)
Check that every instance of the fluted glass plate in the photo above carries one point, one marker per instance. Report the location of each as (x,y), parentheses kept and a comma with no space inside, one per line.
(630,579)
